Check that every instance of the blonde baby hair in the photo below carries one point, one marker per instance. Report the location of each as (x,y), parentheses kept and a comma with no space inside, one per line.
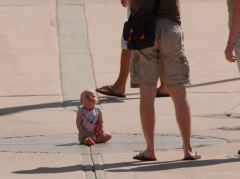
(84,92)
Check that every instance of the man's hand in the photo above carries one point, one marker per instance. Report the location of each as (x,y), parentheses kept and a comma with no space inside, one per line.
(229,53)
(125,3)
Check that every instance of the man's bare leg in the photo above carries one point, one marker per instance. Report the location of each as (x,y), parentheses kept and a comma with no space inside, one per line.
(118,88)
(147,113)
(120,84)
(162,88)
(183,117)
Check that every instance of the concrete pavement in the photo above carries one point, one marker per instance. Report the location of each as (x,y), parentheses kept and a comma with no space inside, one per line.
(52,50)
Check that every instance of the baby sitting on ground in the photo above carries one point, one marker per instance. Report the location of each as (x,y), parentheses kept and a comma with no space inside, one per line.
(89,120)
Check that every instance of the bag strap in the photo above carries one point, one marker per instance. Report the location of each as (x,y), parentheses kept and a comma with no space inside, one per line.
(156,7)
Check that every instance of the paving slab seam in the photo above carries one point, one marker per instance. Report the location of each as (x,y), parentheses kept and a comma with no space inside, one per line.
(88,166)
(76,65)
(93,166)
(98,165)
(70,97)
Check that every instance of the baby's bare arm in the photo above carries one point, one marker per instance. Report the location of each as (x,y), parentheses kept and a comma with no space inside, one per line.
(100,120)
(78,123)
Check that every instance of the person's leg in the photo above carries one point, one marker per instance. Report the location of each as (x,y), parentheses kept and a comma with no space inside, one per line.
(103,137)
(238,58)
(182,110)
(147,114)
(89,141)
(145,71)
(80,138)
(120,84)
(162,89)
(237,51)
(118,88)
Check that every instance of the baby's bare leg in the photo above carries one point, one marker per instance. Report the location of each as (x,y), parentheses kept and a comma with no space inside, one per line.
(81,138)
(103,137)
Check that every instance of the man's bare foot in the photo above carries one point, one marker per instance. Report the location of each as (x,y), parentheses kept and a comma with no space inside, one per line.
(192,156)
(145,156)
(109,90)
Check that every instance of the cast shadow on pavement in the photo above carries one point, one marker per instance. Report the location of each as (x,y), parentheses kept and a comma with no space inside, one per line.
(11,110)
(110,99)
(69,103)
(134,166)
(102,100)
(169,165)
(45,170)
(68,144)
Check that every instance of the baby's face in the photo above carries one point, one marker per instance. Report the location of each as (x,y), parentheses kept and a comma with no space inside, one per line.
(89,99)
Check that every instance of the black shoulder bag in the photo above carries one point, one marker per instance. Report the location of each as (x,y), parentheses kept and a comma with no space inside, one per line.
(139,31)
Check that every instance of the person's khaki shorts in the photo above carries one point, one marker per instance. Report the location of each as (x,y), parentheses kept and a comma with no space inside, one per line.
(166,56)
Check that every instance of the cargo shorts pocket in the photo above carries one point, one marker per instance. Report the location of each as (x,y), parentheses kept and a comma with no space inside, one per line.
(134,70)
(185,66)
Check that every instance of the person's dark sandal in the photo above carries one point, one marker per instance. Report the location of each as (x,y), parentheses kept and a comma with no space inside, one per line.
(141,157)
(107,90)
(194,157)
(160,94)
